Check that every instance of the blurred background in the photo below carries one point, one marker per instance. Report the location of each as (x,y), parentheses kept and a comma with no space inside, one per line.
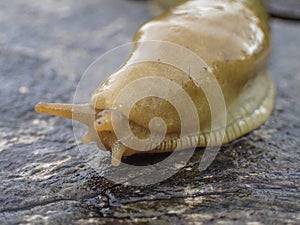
(45,47)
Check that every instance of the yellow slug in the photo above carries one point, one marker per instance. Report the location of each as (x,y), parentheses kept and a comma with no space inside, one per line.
(232,39)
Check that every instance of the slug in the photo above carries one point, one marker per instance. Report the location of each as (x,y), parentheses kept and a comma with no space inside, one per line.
(231,36)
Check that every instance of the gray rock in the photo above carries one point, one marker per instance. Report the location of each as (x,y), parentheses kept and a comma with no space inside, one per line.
(289,9)
(44,50)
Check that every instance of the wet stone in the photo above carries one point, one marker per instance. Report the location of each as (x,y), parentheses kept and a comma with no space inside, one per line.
(45,49)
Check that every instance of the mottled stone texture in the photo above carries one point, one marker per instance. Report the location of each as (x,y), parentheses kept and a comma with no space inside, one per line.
(45,46)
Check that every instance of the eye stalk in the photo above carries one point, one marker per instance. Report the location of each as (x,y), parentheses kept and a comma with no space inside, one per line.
(83,113)
(104,120)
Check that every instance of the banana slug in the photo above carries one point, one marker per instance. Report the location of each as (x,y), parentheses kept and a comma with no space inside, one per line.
(231,36)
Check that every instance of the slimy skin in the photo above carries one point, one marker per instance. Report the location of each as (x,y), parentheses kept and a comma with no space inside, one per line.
(231,36)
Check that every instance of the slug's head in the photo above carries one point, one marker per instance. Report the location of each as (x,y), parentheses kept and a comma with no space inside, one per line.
(99,122)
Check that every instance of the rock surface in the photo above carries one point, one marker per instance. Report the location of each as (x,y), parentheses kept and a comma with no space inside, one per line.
(285,9)
(44,50)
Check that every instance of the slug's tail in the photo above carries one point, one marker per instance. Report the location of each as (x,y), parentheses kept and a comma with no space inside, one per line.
(83,113)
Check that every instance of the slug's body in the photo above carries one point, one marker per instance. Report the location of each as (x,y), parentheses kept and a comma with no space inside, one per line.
(231,36)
